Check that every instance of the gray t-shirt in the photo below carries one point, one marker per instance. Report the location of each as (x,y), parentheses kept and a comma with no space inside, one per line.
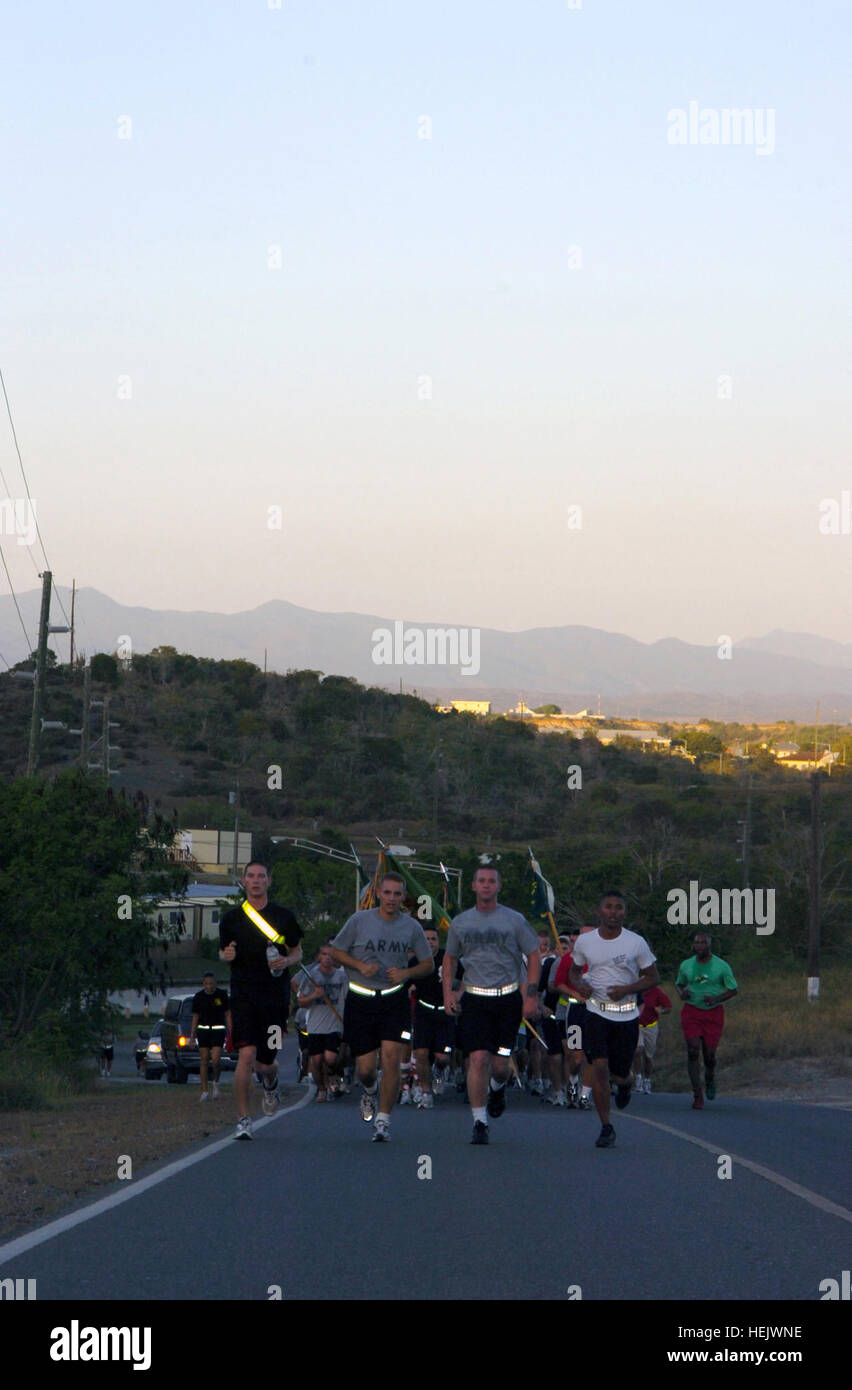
(491,945)
(320,1017)
(368,936)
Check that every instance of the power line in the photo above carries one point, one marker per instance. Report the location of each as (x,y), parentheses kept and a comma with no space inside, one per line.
(15,601)
(27,488)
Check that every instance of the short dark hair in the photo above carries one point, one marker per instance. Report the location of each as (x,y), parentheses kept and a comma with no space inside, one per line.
(612,893)
(259,862)
(208,975)
(397,878)
(487,869)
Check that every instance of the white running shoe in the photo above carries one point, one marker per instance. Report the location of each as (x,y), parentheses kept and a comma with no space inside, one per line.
(214,1093)
(367,1106)
(244,1128)
(204,1096)
(271,1099)
(427,1101)
(381,1132)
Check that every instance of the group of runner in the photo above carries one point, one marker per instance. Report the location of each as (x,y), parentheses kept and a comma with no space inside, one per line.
(578,1014)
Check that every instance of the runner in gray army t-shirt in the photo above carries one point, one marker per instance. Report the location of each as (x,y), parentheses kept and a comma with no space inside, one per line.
(368,936)
(491,945)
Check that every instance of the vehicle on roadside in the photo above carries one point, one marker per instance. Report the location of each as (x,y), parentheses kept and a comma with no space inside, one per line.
(179,1059)
(153,1064)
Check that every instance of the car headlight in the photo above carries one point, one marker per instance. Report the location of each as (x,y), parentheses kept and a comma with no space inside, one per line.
(154,1047)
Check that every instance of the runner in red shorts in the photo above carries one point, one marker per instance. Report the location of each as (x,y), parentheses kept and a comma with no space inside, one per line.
(704,982)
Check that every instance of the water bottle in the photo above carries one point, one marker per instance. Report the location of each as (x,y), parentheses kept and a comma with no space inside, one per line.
(271,953)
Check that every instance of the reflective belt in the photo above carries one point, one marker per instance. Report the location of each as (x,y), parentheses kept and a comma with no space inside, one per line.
(613,1008)
(254,916)
(373,993)
(651,1025)
(429,1006)
(491,993)
(570,999)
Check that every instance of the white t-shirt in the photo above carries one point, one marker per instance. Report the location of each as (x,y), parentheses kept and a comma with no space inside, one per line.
(619,961)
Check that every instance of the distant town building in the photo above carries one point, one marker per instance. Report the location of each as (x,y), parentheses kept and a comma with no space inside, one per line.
(607,736)
(212,851)
(471,706)
(801,762)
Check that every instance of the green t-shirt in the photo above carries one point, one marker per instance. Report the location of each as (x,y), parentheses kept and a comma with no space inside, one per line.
(703,977)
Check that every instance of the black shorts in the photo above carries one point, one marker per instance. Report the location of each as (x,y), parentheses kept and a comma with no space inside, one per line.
(489,1023)
(253,1015)
(323,1042)
(370,1021)
(107,1054)
(433,1030)
(615,1041)
(549,1030)
(209,1035)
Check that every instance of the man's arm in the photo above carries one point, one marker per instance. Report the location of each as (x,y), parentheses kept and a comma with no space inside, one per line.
(650,976)
(192,1028)
(397,974)
(714,999)
(448,974)
(367,968)
(531,1002)
(576,982)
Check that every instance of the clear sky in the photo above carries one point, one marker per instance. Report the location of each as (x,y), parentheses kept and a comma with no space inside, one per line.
(544,304)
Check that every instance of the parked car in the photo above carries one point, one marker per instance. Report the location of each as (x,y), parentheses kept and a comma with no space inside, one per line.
(153,1065)
(179,1059)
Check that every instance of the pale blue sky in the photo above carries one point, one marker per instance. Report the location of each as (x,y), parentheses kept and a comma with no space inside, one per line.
(447,258)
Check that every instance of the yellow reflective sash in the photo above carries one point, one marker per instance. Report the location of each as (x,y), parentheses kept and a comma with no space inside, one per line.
(254,916)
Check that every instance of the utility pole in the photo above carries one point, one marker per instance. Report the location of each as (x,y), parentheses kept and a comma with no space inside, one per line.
(816,864)
(87,701)
(44,630)
(236,826)
(41,667)
(745,842)
(73,596)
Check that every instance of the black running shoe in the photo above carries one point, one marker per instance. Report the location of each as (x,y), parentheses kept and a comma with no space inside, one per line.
(606,1138)
(622,1097)
(480,1133)
(496,1103)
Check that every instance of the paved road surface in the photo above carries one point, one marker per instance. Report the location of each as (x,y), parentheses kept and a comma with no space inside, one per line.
(313,1206)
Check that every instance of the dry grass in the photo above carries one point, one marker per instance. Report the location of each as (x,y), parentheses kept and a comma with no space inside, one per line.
(771,1033)
(49,1159)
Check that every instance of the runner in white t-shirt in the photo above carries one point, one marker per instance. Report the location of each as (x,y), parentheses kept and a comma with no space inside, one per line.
(619,964)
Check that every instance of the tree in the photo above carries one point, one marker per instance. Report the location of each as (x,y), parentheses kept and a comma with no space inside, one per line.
(74,862)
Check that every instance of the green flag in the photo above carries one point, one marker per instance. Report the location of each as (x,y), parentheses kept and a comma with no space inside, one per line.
(428,910)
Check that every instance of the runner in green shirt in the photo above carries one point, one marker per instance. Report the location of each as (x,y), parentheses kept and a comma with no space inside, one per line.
(704,982)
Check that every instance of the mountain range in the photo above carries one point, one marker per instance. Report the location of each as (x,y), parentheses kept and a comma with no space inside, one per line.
(779,675)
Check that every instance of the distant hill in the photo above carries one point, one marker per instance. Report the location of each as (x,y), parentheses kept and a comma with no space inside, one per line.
(781,675)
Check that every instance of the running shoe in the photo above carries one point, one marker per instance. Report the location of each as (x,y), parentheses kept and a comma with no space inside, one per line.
(271,1099)
(427,1101)
(584,1103)
(622,1097)
(698,1100)
(437,1081)
(381,1132)
(606,1138)
(244,1129)
(647,1087)
(710,1087)
(368,1106)
(204,1096)
(480,1133)
(417,1094)
(405,1098)
(214,1091)
(496,1103)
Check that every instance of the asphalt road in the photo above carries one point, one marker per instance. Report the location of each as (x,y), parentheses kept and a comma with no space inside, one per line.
(313,1206)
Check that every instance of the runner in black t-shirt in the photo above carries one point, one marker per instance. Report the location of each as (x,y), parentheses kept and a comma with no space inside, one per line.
(211,1019)
(260,1001)
(434,1032)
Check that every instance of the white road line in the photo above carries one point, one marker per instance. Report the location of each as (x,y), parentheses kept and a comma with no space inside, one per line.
(75,1218)
(769,1173)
